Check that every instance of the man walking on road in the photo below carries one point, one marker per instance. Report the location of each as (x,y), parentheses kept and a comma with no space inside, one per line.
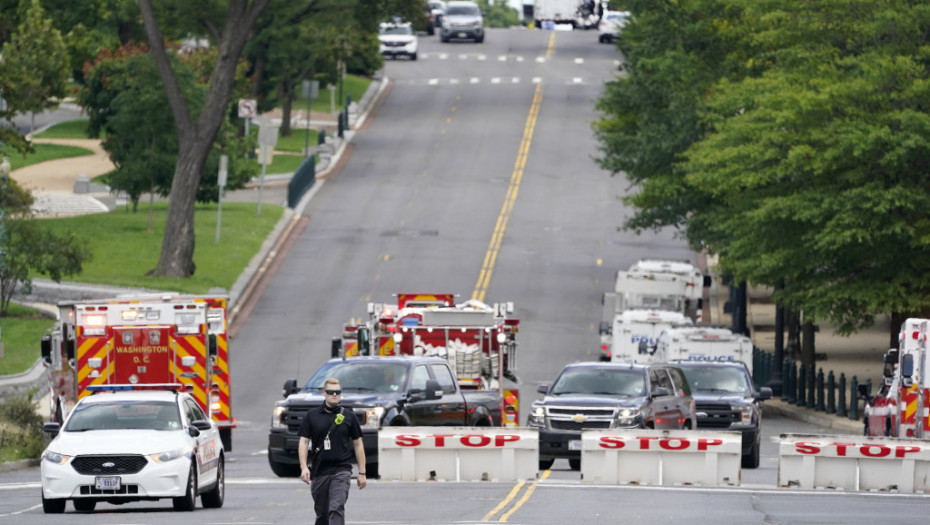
(328,435)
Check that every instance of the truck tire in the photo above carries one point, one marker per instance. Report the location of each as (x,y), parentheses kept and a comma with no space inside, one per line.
(751,460)
(546,464)
(188,501)
(575,464)
(213,499)
(371,471)
(283,470)
(226,438)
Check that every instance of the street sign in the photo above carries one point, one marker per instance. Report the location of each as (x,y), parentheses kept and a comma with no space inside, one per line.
(248,107)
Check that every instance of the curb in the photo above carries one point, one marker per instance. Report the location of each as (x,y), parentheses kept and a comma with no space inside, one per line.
(11,466)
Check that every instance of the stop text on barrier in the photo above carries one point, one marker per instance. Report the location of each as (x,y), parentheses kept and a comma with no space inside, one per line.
(654,443)
(455,440)
(857,450)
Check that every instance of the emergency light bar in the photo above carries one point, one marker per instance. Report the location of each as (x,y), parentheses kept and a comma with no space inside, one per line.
(173,387)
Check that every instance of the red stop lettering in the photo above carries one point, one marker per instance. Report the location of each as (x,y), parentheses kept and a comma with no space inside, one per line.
(807,448)
(503,439)
(901,450)
(407,440)
(667,443)
(482,441)
(644,442)
(440,439)
(866,450)
(841,448)
(611,442)
(703,443)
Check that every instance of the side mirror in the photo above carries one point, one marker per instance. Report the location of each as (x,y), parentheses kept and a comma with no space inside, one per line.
(433,390)
(543,389)
(764,393)
(69,348)
(201,424)
(290,387)
(47,349)
(661,391)
(907,365)
(192,431)
(52,428)
(863,391)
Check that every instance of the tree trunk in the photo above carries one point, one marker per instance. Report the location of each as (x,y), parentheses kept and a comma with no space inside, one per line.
(793,320)
(287,89)
(897,319)
(195,138)
(807,343)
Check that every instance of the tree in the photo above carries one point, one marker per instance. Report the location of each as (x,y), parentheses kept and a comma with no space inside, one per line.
(196,136)
(35,62)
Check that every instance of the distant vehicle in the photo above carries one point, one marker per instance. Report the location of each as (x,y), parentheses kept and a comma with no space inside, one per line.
(398,40)
(635,327)
(435,11)
(462,21)
(702,343)
(608,29)
(603,396)
(120,445)
(726,399)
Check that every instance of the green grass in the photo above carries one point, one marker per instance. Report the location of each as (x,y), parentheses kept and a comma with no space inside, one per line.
(20,333)
(123,251)
(46,152)
(354,86)
(283,164)
(70,129)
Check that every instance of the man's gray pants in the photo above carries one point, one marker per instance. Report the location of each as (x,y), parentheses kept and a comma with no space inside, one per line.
(330,493)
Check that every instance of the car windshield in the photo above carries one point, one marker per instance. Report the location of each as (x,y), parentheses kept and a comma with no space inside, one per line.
(462,10)
(362,377)
(124,415)
(599,381)
(717,379)
(396,30)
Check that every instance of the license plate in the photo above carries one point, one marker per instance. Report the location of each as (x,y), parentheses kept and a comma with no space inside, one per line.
(107,483)
(463,35)
(574,444)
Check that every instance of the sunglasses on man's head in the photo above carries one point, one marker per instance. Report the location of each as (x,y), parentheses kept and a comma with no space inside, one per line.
(333,392)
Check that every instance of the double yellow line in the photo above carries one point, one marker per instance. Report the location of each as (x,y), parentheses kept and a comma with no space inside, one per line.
(490,258)
(487,269)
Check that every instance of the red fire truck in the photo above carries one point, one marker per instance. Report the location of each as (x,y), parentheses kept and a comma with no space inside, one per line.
(478,340)
(139,340)
(900,407)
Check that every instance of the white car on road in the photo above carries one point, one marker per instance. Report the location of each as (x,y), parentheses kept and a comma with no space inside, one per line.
(131,445)
(398,40)
(608,29)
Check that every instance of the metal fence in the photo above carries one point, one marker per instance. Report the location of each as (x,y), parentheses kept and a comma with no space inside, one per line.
(804,386)
(303,180)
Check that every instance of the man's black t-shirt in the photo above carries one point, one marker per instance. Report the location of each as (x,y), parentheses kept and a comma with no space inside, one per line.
(341,452)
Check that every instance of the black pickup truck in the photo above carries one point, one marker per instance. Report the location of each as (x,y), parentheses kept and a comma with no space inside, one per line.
(383,391)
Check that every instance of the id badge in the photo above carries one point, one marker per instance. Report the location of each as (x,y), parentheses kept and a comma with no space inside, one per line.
(326,444)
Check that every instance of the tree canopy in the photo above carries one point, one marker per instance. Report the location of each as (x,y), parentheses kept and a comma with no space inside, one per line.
(792,140)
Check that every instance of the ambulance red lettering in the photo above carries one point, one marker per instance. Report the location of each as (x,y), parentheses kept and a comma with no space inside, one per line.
(611,442)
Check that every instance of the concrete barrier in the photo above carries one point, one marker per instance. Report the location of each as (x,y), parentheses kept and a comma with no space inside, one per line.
(458,454)
(854,463)
(661,457)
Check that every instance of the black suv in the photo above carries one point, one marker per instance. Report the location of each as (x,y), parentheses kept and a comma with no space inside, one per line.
(603,396)
(726,399)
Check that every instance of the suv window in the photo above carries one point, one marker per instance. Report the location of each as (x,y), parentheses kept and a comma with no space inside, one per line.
(193,411)
(462,10)
(445,378)
(659,378)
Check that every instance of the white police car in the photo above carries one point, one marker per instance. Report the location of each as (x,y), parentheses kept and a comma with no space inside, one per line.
(124,444)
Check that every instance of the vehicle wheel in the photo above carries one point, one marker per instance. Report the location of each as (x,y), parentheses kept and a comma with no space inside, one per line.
(443,38)
(283,470)
(575,464)
(84,505)
(479,40)
(214,498)
(546,464)
(371,471)
(53,506)
(865,427)
(429,31)
(189,499)
(687,425)
(888,428)
(226,438)
(413,56)
(752,460)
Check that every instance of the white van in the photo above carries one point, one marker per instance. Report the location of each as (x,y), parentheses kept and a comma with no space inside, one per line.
(703,344)
(632,328)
